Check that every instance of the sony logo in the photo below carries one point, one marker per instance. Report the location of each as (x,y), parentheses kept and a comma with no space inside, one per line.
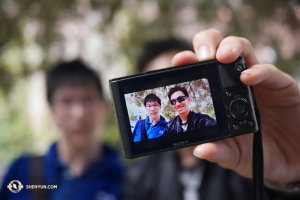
(180,143)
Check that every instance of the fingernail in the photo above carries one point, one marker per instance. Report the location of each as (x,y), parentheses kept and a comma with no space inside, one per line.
(203,52)
(197,152)
(248,72)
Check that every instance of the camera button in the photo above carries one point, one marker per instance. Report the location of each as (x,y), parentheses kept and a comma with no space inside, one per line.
(244,90)
(239,68)
(239,109)
(228,94)
(235,127)
(251,123)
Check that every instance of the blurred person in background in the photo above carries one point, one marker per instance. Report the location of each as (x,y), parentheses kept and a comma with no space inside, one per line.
(79,164)
(178,174)
(278,99)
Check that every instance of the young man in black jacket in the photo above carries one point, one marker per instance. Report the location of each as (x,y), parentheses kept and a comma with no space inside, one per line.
(179,175)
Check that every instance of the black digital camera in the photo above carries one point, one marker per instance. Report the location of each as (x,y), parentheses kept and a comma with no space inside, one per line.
(182,106)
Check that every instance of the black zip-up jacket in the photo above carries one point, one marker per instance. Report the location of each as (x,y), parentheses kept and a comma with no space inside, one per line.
(195,121)
(157,178)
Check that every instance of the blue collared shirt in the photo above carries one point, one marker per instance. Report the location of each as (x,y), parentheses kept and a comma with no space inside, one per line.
(102,181)
(153,131)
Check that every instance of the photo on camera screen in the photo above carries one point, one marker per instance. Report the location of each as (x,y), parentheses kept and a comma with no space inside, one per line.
(171,109)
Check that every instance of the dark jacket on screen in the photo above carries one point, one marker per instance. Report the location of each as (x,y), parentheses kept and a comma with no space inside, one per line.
(195,121)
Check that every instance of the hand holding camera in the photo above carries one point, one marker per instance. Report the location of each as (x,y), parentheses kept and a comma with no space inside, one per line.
(182,106)
(278,99)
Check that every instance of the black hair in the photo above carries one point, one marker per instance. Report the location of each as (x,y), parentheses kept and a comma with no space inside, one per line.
(157,47)
(152,97)
(177,88)
(70,73)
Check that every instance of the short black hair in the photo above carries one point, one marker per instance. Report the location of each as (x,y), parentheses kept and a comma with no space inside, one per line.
(71,73)
(157,47)
(152,97)
(177,88)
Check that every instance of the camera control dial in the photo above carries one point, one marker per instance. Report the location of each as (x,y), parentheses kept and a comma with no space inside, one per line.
(239,108)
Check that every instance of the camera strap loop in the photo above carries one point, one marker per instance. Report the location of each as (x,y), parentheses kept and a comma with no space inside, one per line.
(258,161)
(144,132)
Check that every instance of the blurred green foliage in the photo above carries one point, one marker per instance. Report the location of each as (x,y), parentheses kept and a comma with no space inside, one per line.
(34,34)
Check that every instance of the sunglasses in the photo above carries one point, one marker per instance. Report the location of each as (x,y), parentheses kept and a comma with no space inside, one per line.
(179,100)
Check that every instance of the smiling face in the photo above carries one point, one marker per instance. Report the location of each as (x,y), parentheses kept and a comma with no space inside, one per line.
(153,109)
(182,108)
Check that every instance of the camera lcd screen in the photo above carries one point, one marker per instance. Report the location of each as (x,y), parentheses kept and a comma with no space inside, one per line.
(171,109)
(201,107)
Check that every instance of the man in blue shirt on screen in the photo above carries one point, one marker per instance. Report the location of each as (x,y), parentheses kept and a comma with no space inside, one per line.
(154,125)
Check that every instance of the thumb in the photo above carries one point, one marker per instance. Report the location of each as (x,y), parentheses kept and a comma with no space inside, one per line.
(228,153)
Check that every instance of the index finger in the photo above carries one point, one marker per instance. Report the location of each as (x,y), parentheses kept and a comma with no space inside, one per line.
(231,47)
(205,44)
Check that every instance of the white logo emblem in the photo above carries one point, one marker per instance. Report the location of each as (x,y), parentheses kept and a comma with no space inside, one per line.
(15,186)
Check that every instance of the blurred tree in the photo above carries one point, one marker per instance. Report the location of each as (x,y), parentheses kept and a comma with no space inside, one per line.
(42,27)
(33,35)
(33,27)
(272,27)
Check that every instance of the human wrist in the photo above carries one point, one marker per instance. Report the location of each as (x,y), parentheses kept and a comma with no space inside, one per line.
(289,189)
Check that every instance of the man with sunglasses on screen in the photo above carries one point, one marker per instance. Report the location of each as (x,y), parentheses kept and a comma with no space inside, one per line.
(186,120)
(154,125)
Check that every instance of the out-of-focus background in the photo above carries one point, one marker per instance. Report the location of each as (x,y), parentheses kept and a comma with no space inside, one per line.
(108,35)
